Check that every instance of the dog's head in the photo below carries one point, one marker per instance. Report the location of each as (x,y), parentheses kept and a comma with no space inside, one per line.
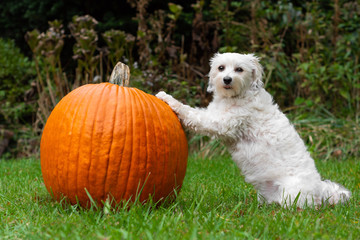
(233,74)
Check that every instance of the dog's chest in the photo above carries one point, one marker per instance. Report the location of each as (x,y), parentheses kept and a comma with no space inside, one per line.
(234,124)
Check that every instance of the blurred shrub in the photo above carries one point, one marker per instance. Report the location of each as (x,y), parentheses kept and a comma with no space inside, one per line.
(310,51)
(18,95)
(16,74)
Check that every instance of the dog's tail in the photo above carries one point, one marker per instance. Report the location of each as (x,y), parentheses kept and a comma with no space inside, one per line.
(334,193)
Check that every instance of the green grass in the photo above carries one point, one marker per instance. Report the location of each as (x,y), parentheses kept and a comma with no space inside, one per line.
(214,203)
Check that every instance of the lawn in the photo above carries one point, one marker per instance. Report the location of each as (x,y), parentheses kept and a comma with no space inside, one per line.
(214,203)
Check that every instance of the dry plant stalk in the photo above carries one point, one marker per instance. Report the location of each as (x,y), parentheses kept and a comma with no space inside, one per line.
(46,48)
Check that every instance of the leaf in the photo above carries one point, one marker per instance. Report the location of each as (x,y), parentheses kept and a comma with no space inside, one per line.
(309,103)
(345,94)
(175,9)
(141,34)
(299,101)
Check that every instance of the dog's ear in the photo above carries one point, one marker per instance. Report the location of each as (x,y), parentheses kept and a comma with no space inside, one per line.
(212,60)
(257,72)
(211,87)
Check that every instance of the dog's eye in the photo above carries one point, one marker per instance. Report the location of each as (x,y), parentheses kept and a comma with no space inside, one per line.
(221,68)
(239,69)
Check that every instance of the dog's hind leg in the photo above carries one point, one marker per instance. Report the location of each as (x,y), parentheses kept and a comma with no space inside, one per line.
(334,193)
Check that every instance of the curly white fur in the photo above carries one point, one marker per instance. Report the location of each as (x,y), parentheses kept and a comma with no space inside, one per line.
(262,141)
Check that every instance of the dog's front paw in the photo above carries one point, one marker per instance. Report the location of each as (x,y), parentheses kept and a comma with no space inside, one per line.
(163,96)
(172,102)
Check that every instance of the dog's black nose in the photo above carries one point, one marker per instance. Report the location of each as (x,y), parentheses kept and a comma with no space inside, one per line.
(227,80)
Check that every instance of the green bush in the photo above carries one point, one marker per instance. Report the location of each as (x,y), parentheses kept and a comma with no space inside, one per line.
(16,74)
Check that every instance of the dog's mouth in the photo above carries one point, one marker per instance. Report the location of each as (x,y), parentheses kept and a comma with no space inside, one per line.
(227,87)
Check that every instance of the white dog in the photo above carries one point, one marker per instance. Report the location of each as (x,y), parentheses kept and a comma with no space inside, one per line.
(260,138)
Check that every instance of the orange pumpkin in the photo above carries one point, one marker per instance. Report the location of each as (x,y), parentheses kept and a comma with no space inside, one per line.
(112,141)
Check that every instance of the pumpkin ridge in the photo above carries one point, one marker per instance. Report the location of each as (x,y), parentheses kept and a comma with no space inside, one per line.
(162,187)
(93,156)
(107,174)
(168,168)
(157,114)
(179,135)
(60,181)
(134,180)
(176,157)
(56,153)
(131,114)
(88,101)
(175,148)
(105,138)
(76,106)
(104,126)
(59,160)
(180,172)
(140,132)
(84,156)
(143,179)
(117,187)
(48,163)
(173,153)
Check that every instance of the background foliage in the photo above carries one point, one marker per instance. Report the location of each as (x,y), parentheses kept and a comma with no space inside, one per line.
(309,49)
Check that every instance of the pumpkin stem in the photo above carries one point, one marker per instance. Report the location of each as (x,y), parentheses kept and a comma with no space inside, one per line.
(120,75)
